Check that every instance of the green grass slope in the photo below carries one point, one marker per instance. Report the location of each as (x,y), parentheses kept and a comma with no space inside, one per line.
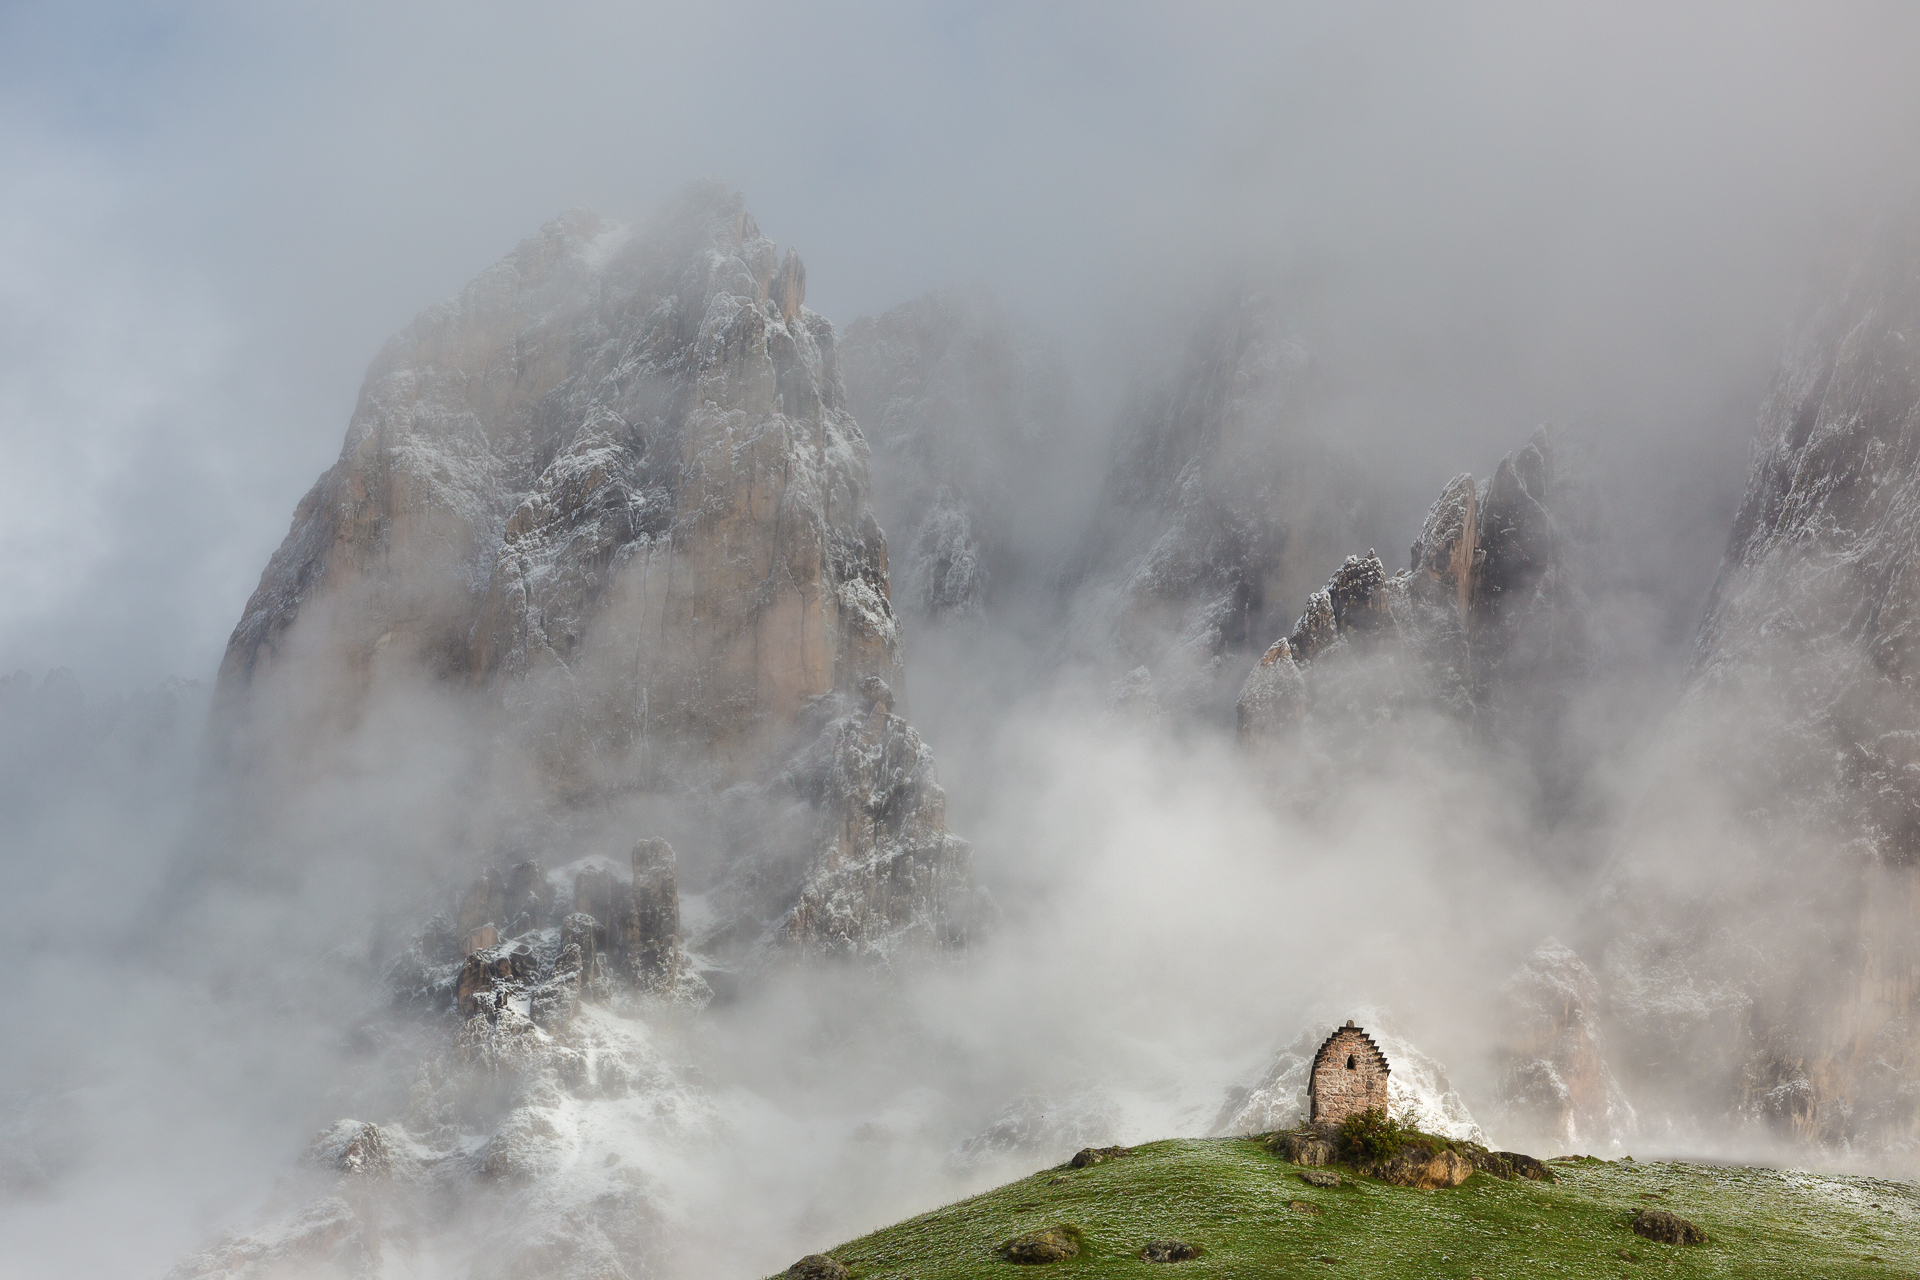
(1255,1218)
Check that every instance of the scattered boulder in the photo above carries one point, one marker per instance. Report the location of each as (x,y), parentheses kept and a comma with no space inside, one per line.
(1667,1228)
(1097,1155)
(1507,1165)
(1301,1206)
(1526,1166)
(1493,1163)
(1170,1251)
(1048,1244)
(1309,1146)
(1320,1177)
(818,1266)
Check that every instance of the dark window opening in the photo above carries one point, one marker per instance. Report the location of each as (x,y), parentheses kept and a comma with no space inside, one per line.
(1350,1062)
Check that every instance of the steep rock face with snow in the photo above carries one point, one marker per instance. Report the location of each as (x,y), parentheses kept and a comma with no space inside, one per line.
(846,852)
(544,1107)
(616,478)
(886,873)
(1775,959)
(1820,590)
(1218,507)
(1556,1088)
(610,504)
(613,488)
(963,410)
(1486,623)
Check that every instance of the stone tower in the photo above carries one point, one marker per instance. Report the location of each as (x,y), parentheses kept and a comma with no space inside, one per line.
(1349,1075)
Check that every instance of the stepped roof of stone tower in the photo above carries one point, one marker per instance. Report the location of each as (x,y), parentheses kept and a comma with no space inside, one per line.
(1343,1037)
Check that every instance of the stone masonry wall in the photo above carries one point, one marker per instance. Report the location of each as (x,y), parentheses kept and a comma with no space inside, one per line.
(1335,1090)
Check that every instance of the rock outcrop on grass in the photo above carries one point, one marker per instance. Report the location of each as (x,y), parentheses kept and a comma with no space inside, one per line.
(1048,1244)
(1170,1251)
(1310,1146)
(1422,1167)
(1667,1228)
(1509,1165)
(1376,1146)
(818,1266)
(1088,1156)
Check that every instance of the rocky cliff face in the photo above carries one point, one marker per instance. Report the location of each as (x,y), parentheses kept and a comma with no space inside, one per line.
(1773,960)
(885,874)
(1820,591)
(612,497)
(613,488)
(616,479)
(541,1094)
(1217,509)
(1486,623)
(1557,1090)
(965,411)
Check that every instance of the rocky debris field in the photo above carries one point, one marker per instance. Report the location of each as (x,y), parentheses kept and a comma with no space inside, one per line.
(1241,1211)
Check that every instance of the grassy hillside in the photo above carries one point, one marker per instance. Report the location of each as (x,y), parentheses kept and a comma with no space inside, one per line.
(1256,1218)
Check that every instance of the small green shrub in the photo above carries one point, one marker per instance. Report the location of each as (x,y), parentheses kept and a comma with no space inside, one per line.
(1373,1135)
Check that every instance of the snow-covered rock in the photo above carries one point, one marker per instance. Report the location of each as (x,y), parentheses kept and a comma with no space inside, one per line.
(1764,970)
(966,412)
(886,874)
(1273,696)
(616,479)
(1418,1092)
(1218,507)
(1486,625)
(1556,1089)
(533,1129)
(615,488)
(611,504)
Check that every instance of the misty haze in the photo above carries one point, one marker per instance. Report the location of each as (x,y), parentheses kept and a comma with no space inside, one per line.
(641,643)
